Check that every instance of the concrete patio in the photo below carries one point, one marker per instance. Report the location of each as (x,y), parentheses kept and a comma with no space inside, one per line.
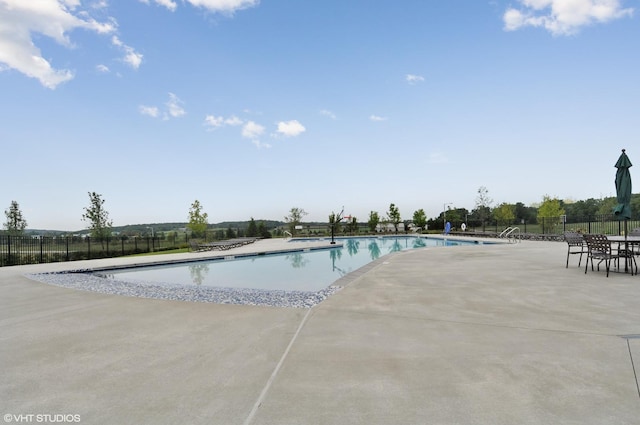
(485,334)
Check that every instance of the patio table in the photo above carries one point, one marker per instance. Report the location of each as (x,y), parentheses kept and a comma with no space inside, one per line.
(629,240)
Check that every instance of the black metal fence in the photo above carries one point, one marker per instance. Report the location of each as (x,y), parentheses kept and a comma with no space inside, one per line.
(602,224)
(18,250)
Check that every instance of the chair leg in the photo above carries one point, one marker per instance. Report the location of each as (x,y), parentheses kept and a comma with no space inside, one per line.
(586,266)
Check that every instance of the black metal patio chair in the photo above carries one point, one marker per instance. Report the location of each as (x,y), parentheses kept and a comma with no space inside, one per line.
(599,248)
(575,245)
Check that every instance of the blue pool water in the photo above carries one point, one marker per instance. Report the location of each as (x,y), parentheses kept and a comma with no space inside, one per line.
(296,271)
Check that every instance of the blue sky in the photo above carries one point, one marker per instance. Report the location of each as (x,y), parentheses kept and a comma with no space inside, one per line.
(254,107)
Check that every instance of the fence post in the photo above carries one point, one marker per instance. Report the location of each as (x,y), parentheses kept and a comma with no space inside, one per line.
(88,247)
(41,253)
(67,240)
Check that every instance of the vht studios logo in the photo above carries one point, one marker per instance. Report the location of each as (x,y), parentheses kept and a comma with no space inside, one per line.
(42,418)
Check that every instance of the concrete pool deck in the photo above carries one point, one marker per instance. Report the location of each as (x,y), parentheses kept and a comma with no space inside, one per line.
(487,334)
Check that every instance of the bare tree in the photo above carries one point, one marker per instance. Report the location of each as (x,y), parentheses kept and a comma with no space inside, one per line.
(483,206)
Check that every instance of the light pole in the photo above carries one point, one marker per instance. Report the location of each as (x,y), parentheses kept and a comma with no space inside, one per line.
(444,214)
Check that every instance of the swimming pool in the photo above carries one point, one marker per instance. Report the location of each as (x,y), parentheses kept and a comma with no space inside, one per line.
(294,271)
(300,276)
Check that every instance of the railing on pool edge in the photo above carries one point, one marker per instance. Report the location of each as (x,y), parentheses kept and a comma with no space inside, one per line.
(508,233)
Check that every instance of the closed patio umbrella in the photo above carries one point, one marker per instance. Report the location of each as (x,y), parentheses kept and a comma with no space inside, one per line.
(622,211)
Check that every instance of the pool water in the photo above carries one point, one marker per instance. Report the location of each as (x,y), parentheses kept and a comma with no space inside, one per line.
(295,271)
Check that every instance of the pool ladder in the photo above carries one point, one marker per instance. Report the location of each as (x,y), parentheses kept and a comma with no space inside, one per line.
(508,233)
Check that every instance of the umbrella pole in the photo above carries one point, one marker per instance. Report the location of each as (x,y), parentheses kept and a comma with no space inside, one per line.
(626,248)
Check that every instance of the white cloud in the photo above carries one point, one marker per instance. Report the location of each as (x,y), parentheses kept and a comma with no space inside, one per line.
(150,111)
(171,5)
(20,19)
(212,122)
(174,107)
(24,22)
(290,128)
(100,4)
(251,130)
(131,57)
(224,6)
(233,121)
(563,17)
(328,113)
(414,79)
(377,118)
(102,68)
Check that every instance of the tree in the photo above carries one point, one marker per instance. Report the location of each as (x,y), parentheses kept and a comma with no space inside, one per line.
(294,218)
(352,225)
(16,223)
(374,220)
(394,216)
(607,205)
(420,218)
(504,214)
(635,205)
(252,229)
(98,217)
(582,210)
(483,206)
(525,214)
(263,232)
(197,220)
(455,216)
(549,213)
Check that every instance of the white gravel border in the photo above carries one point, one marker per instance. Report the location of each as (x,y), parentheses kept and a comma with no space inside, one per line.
(86,281)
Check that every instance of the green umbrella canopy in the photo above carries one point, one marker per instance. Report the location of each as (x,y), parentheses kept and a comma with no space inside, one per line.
(622,211)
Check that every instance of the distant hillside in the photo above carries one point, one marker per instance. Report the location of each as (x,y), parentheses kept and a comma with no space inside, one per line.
(142,229)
